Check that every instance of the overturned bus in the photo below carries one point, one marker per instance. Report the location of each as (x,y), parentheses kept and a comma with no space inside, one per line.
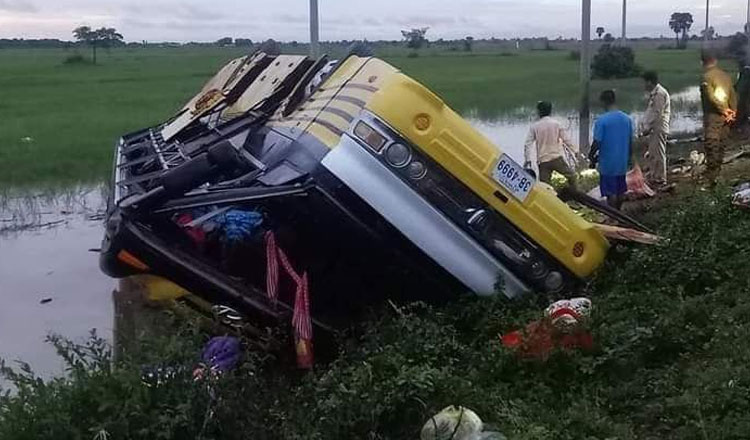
(349,176)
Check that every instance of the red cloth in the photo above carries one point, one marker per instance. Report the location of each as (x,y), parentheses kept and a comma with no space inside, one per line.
(197,234)
(540,338)
(301,321)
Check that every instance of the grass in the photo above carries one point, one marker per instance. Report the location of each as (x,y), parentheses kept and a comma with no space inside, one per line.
(58,121)
(491,85)
(670,326)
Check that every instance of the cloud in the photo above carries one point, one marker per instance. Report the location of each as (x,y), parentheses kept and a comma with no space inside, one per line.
(291,18)
(199,20)
(17,6)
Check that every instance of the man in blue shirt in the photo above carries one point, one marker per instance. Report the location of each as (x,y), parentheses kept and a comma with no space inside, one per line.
(613,141)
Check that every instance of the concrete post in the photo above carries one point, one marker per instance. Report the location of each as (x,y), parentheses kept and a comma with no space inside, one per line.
(708,8)
(585,114)
(314,30)
(624,22)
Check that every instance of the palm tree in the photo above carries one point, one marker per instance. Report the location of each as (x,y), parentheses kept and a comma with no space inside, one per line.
(680,23)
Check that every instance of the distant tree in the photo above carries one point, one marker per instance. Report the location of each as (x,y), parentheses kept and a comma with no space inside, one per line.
(243,42)
(711,33)
(737,47)
(609,38)
(415,38)
(468,44)
(680,23)
(600,31)
(613,61)
(106,37)
(84,34)
(270,47)
(226,41)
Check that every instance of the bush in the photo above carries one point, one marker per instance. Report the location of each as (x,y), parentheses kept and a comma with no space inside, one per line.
(669,323)
(737,47)
(671,47)
(615,62)
(75,58)
(413,55)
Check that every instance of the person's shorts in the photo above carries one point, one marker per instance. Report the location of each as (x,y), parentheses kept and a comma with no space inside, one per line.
(613,185)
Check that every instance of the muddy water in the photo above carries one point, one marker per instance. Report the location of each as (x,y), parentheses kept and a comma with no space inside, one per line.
(509,132)
(49,280)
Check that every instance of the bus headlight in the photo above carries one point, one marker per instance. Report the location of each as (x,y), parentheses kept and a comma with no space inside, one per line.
(398,155)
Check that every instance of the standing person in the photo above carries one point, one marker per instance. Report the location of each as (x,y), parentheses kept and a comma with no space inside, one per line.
(655,127)
(719,101)
(545,147)
(743,96)
(613,143)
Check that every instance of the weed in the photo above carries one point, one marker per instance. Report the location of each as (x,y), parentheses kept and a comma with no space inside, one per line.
(75,58)
(670,362)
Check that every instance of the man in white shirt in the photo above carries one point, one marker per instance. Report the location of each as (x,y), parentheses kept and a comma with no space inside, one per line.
(655,127)
(546,147)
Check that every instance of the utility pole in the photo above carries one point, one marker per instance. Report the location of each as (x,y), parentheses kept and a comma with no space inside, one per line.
(705,32)
(625,21)
(314,30)
(585,115)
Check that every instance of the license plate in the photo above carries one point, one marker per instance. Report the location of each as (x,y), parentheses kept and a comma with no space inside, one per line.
(513,177)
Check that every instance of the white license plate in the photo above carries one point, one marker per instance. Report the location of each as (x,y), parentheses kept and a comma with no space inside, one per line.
(513,177)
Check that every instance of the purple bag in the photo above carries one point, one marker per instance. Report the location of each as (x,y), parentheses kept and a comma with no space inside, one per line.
(222,353)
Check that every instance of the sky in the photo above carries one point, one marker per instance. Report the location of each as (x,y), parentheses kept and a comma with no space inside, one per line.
(287,20)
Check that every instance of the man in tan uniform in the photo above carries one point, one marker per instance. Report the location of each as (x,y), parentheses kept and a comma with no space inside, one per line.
(655,128)
(719,112)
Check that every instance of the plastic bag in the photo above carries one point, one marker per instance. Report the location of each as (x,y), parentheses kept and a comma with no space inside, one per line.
(637,183)
(568,314)
(741,196)
(452,423)
(570,158)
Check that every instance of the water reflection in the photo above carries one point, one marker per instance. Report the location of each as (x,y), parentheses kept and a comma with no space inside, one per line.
(509,132)
(49,280)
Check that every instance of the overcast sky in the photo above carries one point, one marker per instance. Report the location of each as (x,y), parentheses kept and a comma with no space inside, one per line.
(208,20)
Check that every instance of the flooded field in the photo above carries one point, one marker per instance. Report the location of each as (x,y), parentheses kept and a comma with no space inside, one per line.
(49,277)
(509,132)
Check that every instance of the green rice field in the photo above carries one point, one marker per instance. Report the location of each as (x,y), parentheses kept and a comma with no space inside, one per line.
(58,121)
